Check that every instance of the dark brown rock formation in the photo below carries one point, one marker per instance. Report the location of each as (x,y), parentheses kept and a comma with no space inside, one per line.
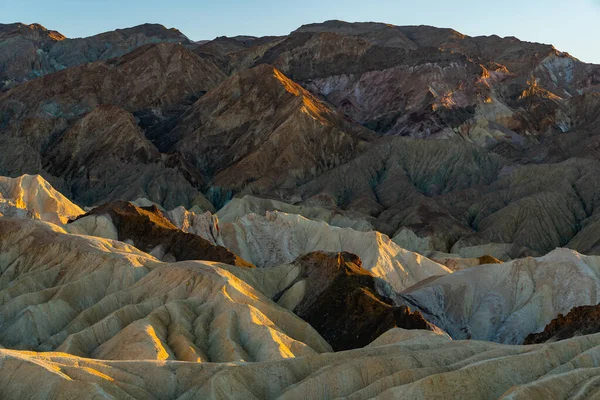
(48,115)
(150,231)
(260,131)
(105,157)
(341,302)
(580,321)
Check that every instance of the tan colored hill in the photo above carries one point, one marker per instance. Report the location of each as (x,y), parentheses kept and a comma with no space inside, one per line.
(32,196)
(265,241)
(399,365)
(104,299)
(280,238)
(115,303)
(145,327)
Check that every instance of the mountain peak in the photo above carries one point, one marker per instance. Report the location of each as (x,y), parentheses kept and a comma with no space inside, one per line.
(34,30)
(157,30)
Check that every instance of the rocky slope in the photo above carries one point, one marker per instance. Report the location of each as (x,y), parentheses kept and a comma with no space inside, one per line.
(260,131)
(57,121)
(105,156)
(104,299)
(338,297)
(399,365)
(33,51)
(145,327)
(158,76)
(279,238)
(506,302)
(499,301)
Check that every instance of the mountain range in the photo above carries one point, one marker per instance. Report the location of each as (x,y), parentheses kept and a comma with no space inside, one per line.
(359,209)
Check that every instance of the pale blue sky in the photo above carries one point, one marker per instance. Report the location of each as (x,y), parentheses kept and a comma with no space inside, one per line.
(571,25)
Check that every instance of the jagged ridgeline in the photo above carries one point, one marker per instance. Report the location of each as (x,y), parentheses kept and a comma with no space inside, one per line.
(335,115)
(359,210)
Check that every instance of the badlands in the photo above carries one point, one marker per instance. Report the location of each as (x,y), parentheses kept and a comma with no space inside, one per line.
(350,211)
(91,314)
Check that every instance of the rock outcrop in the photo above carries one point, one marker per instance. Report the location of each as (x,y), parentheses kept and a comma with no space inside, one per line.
(150,231)
(580,321)
(260,131)
(202,224)
(338,297)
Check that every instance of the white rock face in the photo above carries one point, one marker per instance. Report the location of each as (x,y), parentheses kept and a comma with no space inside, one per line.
(398,365)
(409,240)
(144,202)
(94,225)
(456,263)
(279,238)
(104,299)
(239,207)
(499,250)
(506,302)
(31,196)
(204,224)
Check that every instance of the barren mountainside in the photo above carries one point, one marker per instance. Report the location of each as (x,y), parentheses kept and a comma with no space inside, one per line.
(352,210)
(314,119)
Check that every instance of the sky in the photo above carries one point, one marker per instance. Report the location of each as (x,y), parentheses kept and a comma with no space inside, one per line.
(570,25)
